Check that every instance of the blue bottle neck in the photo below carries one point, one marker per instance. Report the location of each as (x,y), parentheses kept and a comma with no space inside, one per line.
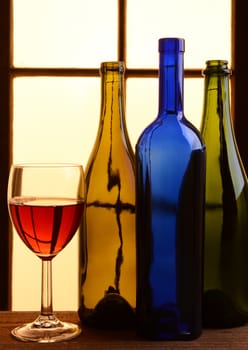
(171,73)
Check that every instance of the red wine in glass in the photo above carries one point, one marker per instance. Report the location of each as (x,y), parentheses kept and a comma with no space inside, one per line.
(46,225)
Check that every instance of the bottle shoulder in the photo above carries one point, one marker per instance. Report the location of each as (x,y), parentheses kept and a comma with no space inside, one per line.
(171,131)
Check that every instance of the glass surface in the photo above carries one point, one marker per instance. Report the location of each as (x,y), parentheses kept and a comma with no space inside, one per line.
(204,24)
(170,186)
(108,295)
(58,33)
(46,204)
(225,298)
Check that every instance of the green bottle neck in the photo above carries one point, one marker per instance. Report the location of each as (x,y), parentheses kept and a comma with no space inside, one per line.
(216,108)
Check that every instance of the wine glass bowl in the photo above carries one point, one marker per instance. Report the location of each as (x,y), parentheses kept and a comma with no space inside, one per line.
(46,203)
(45,225)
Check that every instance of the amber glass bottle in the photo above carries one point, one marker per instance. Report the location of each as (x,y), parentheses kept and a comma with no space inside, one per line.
(109,275)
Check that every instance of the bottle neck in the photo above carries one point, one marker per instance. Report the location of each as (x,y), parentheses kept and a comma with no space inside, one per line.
(216,95)
(171,72)
(112,126)
(112,88)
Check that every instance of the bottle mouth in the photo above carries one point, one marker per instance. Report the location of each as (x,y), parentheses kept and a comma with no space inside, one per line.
(115,66)
(171,45)
(216,67)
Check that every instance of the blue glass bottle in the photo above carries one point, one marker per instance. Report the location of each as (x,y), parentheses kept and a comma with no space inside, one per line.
(170,188)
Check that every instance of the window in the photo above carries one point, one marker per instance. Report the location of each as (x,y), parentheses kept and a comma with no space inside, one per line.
(49,88)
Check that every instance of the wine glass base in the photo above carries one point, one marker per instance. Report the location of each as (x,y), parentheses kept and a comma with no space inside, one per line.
(46,329)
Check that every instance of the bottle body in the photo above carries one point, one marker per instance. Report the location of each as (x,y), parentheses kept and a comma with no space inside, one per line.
(109,279)
(225,298)
(170,185)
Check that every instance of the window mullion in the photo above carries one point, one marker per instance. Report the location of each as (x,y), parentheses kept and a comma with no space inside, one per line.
(240,76)
(122,14)
(6,151)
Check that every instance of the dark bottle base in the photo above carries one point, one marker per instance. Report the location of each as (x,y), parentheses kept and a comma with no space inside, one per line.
(156,334)
(167,324)
(178,337)
(111,312)
(219,311)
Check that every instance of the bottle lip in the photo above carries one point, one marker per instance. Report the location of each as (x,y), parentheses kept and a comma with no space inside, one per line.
(112,66)
(171,45)
(216,62)
(217,66)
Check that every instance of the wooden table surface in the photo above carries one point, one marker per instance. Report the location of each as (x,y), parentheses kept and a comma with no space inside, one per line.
(224,339)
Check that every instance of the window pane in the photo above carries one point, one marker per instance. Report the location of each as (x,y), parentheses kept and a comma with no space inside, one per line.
(193,100)
(204,24)
(141,105)
(66,33)
(55,119)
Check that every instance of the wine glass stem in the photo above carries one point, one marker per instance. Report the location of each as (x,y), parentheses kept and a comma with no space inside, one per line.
(46,288)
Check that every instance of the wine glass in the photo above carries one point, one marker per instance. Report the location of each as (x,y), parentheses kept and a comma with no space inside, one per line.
(46,203)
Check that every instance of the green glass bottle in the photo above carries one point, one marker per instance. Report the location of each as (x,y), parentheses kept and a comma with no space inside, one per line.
(225,299)
(108,294)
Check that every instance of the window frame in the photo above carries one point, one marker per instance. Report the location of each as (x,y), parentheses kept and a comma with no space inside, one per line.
(8,72)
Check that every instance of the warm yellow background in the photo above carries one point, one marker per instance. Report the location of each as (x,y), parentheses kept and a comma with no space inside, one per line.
(56,119)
